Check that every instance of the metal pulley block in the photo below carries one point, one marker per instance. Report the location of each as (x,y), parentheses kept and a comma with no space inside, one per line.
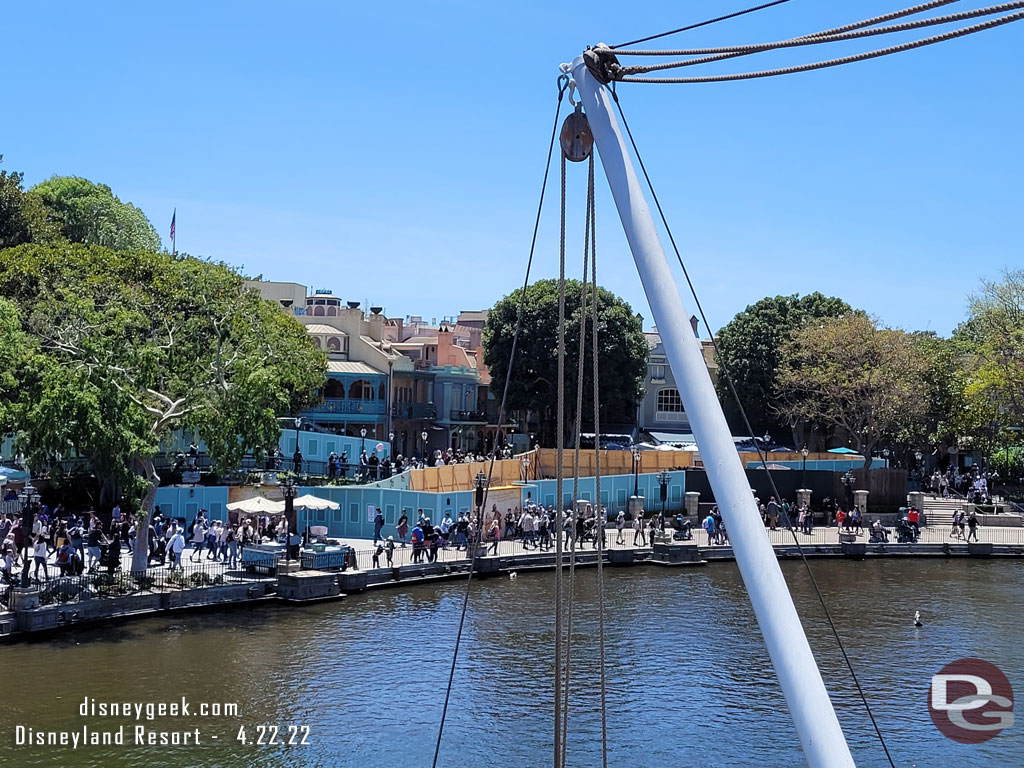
(576,139)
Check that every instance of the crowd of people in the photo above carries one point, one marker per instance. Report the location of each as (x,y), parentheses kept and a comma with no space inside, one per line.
(973,485)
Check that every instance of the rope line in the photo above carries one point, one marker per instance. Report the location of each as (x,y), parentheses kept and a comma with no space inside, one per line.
(602,519)
(991,24)
(761,456)
(813,37)
(813,40)
(576,473)
(702,23)
(563,84)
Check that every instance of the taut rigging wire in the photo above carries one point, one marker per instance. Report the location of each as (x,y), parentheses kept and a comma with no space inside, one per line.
(721,54)
(563,84)
(824,33)
(761,456)
(704,23)
(992,23)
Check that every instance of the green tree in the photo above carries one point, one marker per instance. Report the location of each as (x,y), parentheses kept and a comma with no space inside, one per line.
(622,354)
(135,345)
(850,375)
(22,217)
(749,348)
(91,214)
(14,349)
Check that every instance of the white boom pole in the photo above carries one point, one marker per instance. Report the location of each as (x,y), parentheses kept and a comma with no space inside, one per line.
(815,719)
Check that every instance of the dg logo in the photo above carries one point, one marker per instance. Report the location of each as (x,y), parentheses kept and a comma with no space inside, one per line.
(971,701)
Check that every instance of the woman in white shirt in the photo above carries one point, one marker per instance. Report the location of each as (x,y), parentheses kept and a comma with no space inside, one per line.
(40,558)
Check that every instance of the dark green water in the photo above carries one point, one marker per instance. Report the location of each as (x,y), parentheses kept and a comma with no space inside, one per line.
(689,682)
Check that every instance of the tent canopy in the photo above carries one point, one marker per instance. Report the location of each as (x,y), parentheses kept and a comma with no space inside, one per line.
(257,505)
(844,450)
(309,501)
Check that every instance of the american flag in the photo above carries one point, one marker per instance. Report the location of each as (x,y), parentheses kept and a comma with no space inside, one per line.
(173,217)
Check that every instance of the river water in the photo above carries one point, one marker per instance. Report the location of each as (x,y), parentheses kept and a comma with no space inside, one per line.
(688,680)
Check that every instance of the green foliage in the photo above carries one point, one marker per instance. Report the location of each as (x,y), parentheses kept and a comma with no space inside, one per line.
(14,351)
(848,374)
(750,345)
(622,354)
(92,214)
(133,345)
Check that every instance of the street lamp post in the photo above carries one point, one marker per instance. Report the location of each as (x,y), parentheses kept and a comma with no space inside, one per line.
(663,480)
(803,469)
(423,437)
(480,482)
(849,480)
(767,440)
(636,471)
(288,490)
(920,473)
(885,454)
(29,497)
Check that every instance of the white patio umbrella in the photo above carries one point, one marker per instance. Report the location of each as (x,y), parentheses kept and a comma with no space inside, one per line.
(257,505)
(309,501)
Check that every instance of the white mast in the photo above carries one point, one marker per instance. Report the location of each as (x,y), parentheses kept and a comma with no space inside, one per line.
(815,719)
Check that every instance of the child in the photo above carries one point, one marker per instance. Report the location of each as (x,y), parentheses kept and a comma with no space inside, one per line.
(376,555)
(390,549)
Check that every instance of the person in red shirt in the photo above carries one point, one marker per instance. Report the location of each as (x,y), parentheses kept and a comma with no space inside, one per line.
(914,517)
(840,517)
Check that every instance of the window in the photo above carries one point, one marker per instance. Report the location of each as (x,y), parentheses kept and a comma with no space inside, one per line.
(657,373)
(353,513)
(338,516)
(670,405)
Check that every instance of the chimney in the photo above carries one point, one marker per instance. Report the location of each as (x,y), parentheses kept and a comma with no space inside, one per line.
(693,324)
(377,326)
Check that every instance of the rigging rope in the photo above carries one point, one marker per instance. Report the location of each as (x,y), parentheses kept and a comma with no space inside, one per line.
(578,426)
(747,50)
(601,516)
(746,421)
(812,38)
(992,23)
(560,448)
(563,84)
(702,23)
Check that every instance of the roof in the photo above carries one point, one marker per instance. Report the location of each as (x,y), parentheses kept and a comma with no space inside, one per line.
(325,329)
(347,366)
(473,315)
(673,437)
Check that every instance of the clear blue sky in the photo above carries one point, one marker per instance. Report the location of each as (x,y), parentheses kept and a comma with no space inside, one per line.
(393,151)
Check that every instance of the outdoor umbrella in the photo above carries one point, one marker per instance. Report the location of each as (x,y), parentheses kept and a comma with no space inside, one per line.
(309,501)
(257,505)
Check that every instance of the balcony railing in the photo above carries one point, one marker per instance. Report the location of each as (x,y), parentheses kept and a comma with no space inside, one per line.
(337,405)
(414,411)
(468,416)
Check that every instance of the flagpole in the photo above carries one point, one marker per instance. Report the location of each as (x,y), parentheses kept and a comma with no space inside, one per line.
(174,232)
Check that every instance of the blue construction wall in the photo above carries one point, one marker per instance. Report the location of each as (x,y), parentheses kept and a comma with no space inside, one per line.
(185,502)
(838,465)
(615,491)
(355,518)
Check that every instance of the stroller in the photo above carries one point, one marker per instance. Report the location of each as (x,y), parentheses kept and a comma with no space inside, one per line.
(683,531)
(905,532)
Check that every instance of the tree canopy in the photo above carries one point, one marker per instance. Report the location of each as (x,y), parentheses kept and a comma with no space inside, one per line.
(846,373)
(92,214)
(749,348)
(533,386)
(132,345)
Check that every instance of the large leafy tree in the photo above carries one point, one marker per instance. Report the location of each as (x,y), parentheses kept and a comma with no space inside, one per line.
(23,218)
(14,350)
(850,375)
(749,349)
(533,386)
(92,214)
(134,345)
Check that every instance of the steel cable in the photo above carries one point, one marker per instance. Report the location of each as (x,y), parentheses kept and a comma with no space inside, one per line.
(703,23)
(563,83)
(761,456)
(833,62)
(824,33)
(811,40)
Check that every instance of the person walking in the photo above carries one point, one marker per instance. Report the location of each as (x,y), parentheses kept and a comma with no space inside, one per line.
(494,536)
(378,524)
(175,547)
(389,549)
(972,525)
(39,555)
(620,524)
(638,529)
(403,527)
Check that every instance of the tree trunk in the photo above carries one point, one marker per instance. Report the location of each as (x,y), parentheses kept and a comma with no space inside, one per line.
(140,557)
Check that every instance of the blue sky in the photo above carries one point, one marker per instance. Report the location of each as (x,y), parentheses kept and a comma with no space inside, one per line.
(393,151)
